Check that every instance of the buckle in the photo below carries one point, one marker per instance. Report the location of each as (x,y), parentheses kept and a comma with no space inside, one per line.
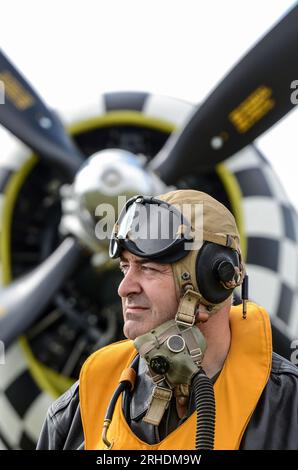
(159,402)
(185,315)
(185,323)
(196,355)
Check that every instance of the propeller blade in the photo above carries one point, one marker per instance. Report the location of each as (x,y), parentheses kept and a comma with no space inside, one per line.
(22,302)
(249,100)
(28,118)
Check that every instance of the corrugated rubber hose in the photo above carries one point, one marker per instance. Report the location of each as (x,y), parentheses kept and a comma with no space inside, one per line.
(205,406)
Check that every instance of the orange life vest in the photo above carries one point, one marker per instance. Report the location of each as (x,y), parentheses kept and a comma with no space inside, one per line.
(237,389)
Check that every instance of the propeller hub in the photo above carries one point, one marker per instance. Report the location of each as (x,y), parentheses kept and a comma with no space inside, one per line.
(98,193)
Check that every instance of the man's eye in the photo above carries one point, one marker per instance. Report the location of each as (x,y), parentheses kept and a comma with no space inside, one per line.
(148,268)
(123,268)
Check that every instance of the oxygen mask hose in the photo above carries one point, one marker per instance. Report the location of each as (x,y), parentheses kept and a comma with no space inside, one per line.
(126,381)
(205,407)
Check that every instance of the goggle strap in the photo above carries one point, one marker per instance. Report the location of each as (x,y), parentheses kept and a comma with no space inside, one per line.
(222,239)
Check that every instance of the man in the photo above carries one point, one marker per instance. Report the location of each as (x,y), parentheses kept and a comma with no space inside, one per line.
(176,296)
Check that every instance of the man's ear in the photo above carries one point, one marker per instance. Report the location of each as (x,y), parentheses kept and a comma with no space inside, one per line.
(202,314)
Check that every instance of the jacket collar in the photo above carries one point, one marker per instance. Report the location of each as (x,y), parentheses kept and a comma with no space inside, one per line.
(143,391)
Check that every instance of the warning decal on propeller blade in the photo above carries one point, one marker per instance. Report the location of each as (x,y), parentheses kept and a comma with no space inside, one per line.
(16,92)
(252,109)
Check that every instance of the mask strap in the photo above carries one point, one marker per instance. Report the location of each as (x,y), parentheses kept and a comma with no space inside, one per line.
(195,352)
(186,313)
(160,400)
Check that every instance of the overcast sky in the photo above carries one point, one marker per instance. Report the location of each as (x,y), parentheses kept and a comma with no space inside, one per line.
(71,51)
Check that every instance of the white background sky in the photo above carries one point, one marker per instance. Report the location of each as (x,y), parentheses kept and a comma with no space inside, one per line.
(73,50)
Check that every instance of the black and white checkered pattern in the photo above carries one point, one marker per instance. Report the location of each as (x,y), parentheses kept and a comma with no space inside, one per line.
(271,226)
(22,403)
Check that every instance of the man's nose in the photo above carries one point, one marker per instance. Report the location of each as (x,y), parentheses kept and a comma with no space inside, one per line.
(130,284)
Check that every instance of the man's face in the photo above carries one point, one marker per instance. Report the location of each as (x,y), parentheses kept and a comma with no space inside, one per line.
(148,294)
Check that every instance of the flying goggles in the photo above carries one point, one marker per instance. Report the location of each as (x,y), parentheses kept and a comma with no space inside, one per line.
(151,228)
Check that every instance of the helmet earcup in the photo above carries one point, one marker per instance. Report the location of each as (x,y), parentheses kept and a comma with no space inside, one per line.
(212,261)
